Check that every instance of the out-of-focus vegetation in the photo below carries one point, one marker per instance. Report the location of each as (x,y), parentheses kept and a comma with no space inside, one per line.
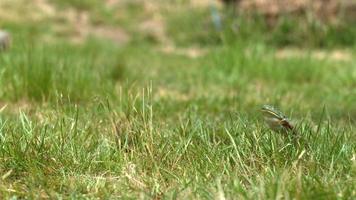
(282,25)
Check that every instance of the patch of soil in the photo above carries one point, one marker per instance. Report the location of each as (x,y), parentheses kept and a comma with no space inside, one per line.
(154,29)
(165,93)
(337,55)
(191,52)
(71,23)
(81,28)
(325,10)
(22,11)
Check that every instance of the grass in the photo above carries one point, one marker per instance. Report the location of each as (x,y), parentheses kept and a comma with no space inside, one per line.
(95,121)
(41,72)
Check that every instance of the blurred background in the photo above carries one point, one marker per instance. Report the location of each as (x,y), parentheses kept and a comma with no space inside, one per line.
(319,23)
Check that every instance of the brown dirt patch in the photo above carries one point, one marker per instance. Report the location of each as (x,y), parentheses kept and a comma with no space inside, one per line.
(191,52)
(23,11)
(165,93)
(325,10)
(11,107)
(71,23)
(337,55)
(79,27)
(154,28)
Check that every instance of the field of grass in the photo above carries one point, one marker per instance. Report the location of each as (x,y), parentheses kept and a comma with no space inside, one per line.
(98,120)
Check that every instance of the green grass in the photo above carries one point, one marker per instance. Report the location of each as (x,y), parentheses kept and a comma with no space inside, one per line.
(95,121)
(42,72)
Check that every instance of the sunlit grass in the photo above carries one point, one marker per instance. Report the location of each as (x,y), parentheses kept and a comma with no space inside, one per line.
(94,120)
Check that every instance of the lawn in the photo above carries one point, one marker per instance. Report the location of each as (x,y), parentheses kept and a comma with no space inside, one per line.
(172,114)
